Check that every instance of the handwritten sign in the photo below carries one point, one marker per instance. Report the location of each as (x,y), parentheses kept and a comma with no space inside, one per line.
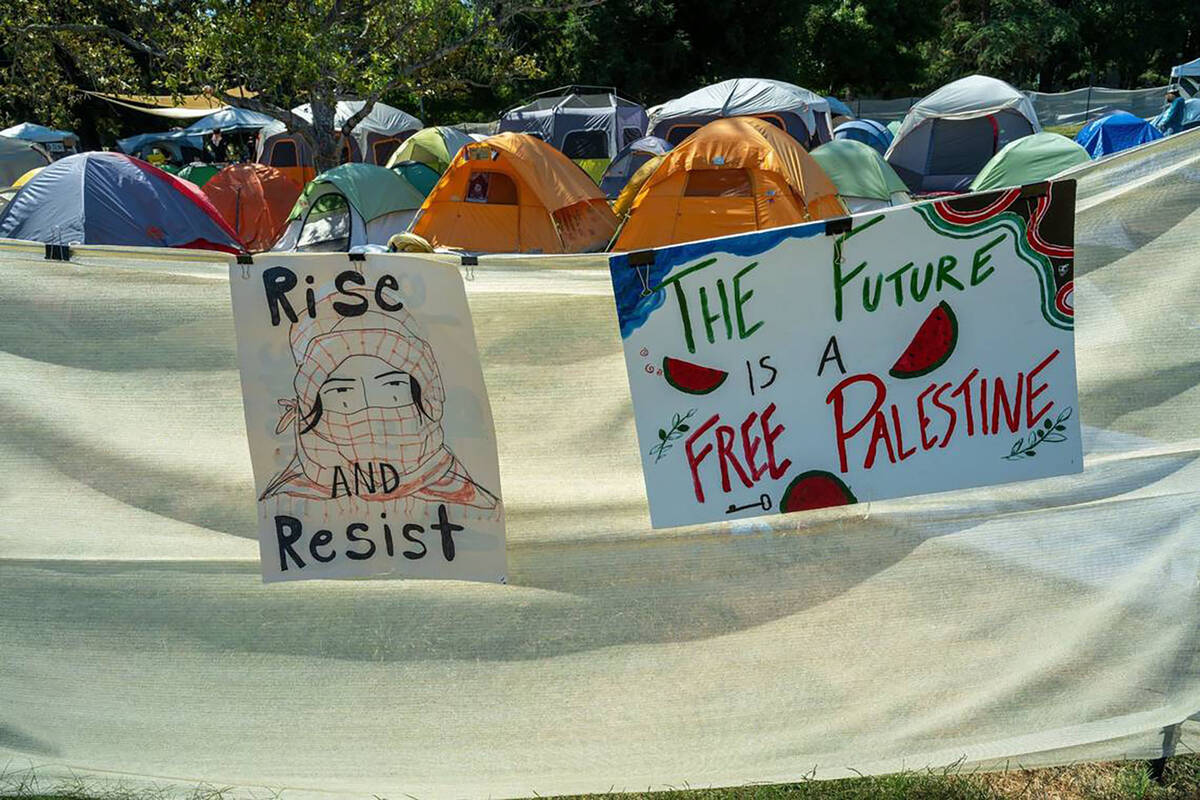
(369,425)
(916,350)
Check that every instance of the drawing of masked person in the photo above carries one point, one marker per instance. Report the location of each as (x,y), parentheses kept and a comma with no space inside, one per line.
(367,412)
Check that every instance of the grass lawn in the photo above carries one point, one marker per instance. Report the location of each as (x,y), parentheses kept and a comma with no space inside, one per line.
(1066,130)
(1122,780)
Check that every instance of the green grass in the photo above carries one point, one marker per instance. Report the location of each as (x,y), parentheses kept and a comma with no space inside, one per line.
(1066,130)
(1125,780)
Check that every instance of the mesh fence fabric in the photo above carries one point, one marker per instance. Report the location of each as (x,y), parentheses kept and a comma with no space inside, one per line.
(1035,622)
(1053,108)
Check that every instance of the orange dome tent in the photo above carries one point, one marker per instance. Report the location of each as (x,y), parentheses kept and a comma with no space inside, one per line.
(734,175)
(515,194)
(255,200)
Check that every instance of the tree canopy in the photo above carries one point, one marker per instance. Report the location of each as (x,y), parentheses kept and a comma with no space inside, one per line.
(455,60)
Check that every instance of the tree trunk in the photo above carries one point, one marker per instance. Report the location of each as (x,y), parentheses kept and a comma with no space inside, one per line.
(327,145)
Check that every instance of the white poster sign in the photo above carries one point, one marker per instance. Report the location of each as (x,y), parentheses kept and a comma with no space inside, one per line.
(369,425)
(915,350)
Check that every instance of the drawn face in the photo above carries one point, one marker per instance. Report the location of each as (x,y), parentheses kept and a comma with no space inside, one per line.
(365,381)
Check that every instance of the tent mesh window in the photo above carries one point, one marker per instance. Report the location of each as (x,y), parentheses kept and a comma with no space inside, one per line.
(384,148)
(678,133)
(585,144)
(718,183)
(283,154)
(629,136)
(499,188)
(774,119)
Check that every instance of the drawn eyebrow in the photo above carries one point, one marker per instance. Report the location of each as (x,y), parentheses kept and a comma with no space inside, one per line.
(393,372)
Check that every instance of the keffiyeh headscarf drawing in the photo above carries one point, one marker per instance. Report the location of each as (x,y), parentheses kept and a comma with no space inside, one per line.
(368,392)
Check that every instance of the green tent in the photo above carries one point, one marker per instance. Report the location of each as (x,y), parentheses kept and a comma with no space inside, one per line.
(198,173)
(422,176)
(1029,159)
(352,205)
(864,181)
(435,147)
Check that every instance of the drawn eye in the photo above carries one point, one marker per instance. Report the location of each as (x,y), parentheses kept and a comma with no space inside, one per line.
(340,389)
(396,382)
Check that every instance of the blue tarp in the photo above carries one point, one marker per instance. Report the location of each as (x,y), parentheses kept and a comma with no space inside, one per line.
(112,198)
(839,109)
(231,119)
(132,144)
(1114,133)
(867,131)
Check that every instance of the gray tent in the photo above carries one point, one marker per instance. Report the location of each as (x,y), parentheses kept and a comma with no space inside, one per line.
(947,138)
(18,156)
(584,122)
(803,114)
(373,140)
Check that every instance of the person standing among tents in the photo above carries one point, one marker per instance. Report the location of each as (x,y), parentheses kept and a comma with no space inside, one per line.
(1171,120)
(216,150)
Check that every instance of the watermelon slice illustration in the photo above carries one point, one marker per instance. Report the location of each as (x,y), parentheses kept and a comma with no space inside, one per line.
(692,378)
(815,489)
(934,342)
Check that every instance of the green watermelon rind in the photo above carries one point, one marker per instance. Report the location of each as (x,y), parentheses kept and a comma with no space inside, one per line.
(901,374)
(667,374)
(816,473)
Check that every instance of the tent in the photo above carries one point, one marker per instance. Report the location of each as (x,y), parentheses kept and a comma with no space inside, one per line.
(839,109)
(1030,159)
(176,147)
(893,127)
(628,161)
(864,181)
(589,124)
(1114,133)
(17,157)
(198,172)
(350,206)
(373,140)
(255,200)
(1187,78)
(732,176)
(57,143)
(515,193)
(422,176)
(230,119)
(948,136)
(867,131)
(435,147)
(112,198)
(798,111)
(26,178)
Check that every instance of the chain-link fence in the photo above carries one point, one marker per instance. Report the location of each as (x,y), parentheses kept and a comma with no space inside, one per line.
(1053,108)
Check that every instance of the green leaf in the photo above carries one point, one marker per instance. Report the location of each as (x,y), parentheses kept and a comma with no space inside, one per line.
(1060,427)
(1056,437)
(1016,446)
(662,434)
(1030,453)
(683,426)
(1049,425)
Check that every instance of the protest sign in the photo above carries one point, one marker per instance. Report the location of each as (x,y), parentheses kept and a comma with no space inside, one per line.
(914,350)
(369,425)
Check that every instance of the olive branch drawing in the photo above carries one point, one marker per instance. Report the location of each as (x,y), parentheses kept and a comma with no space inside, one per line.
(666,438)
(1049,432)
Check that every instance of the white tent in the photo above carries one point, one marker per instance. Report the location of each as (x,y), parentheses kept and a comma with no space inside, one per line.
(1187,78)
(374,138)
(18,157)
(947,137)
(803,114)
(57,143)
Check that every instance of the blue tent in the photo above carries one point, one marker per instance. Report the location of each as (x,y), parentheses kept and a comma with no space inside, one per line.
(1114,133)
(867,131)
(839,109)
(231,119)
(112,198)
(628,161)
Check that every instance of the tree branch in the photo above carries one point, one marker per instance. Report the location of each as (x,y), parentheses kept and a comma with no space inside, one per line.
(103,30)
